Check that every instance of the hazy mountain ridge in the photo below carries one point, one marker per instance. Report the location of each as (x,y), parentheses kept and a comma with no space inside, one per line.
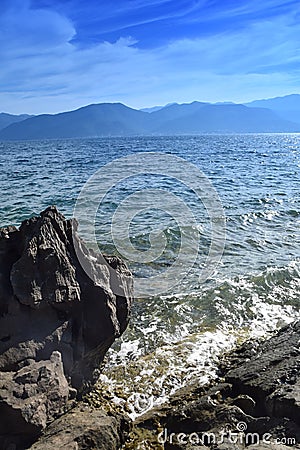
(157,108)
(287,107)
(88,121)
(7,119)
(228,118)
(116,119)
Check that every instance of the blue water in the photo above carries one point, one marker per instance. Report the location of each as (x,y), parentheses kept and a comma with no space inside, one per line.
(179,334)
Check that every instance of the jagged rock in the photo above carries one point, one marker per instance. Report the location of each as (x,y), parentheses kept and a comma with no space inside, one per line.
(85,428)
(49,303)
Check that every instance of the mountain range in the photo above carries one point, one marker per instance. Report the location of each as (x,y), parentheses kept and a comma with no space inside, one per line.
(287,107)
(7,119)
(280,114)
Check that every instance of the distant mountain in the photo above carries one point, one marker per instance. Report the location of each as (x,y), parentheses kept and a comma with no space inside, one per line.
(159,119)
(7,119)
(116,119)
(287,107)
(104,119)
(225,118)
(156,108)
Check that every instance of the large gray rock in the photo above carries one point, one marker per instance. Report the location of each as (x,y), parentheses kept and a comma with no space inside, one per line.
(48,303)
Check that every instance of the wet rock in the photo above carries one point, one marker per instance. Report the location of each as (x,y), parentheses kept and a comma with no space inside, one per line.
(61,308)
(253,404)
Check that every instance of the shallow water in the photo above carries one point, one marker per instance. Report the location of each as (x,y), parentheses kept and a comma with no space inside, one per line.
(177,335)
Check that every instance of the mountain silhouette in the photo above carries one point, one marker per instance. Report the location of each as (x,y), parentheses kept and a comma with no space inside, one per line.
(7,119)
(116,119)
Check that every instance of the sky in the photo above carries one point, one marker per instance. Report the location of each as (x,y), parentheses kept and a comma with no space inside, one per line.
(59,55)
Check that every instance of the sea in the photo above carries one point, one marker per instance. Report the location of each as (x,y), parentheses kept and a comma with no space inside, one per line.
(235,195)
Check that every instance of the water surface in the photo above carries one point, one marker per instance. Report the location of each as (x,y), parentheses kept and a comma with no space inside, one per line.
(178,335)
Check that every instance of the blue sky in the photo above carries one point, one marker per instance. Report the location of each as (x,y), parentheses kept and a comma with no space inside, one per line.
(58,55)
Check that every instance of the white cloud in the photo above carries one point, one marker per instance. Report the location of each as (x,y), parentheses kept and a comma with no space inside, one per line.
(26,32)
(42,71)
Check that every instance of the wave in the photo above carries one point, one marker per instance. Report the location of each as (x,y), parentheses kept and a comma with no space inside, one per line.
(176,339)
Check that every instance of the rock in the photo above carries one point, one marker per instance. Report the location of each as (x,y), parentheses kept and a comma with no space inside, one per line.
(253,404)
(57,320)
(245,403)
(30,398)
(272,376)
(85,428)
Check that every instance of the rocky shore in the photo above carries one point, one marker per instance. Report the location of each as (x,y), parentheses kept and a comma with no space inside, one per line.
(254,403)
(56,325)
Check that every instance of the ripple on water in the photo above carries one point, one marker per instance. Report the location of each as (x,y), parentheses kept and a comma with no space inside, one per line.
(179,335)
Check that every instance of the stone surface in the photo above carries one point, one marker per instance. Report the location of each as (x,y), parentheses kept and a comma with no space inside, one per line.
(30,398)
(57,320)
(253,404)
(48,302)
(85,428)
(272,376)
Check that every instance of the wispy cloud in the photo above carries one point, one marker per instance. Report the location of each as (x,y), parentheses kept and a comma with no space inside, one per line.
(44,70)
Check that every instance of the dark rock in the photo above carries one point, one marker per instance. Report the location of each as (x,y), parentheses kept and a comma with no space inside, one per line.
(272,376)
(85,428)
(245,403)
(49,303)
(255,406)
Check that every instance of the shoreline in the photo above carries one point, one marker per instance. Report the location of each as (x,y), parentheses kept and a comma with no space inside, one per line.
(248,406)
(256,397)
(57,324)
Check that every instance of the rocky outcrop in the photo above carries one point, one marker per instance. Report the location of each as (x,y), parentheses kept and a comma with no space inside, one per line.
(56,321)
(253,404)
